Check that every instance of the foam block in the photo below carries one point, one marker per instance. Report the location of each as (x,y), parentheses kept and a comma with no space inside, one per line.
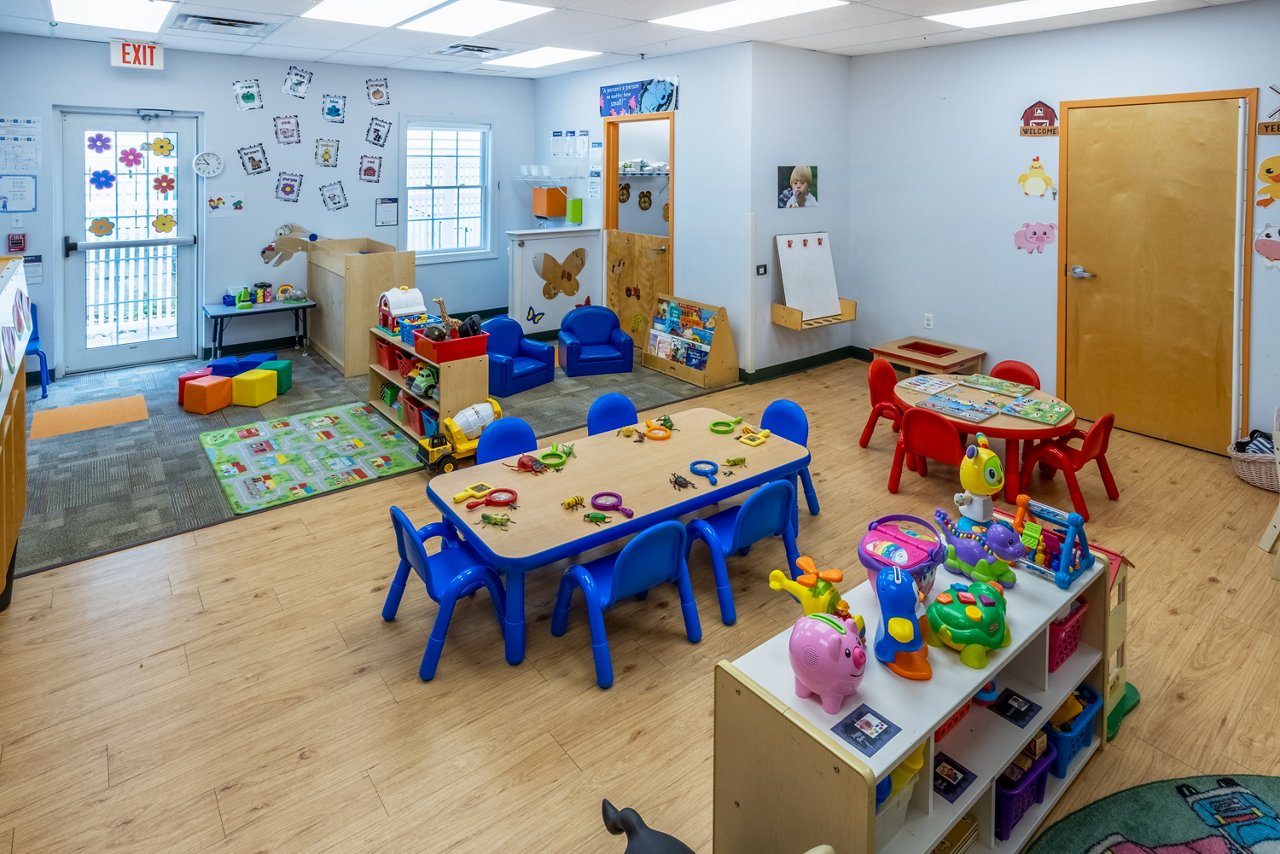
(183,379)
(253,388)
(227,366)
(284,373)
(255,360)
(207,394)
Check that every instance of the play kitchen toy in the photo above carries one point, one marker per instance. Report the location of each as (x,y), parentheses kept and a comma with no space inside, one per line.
(611,501)
(970,620)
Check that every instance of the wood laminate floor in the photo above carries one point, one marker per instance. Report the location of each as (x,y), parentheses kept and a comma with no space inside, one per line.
(234,689)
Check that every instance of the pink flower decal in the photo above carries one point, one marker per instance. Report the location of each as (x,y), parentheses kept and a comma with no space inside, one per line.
(163,184)
(130,157)
(164,223)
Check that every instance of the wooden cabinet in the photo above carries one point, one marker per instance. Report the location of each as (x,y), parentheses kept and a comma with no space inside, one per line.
(463,382)
(345,278)
(786,781)
(15,330)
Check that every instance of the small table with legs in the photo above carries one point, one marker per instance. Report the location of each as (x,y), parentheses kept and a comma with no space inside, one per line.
(221,314)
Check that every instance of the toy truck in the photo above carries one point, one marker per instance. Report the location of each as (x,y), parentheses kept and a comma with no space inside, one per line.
(458,437)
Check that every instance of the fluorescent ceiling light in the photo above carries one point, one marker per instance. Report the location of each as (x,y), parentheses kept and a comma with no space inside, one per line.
(739,13)
(541,57)
(141,16)
(1025,10)
(473,17)
(372,13)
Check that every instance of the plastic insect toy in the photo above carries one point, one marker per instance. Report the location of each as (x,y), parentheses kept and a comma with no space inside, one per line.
(499,522)
(626,432)
(665,421)
(679,481)
(596,519)
(639,440)
(528,463)
(736,461)
(573,502)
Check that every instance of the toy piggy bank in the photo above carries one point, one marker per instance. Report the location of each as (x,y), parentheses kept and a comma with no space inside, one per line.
(828,657)
(1034,236)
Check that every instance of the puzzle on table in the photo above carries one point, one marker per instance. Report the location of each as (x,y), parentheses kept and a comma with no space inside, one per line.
(268,463)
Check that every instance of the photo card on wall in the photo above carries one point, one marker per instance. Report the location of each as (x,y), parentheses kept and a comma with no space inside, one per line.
(334,108)
(288,186)
(379,130)
(254,159)
(379,93)
(326,152)
(296,82)
(370,168)
(287,130)
(335,197)
(248,94)
(797,186)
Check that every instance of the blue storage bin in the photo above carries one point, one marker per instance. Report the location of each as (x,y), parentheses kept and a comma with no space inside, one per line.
(1077,736)
(406,330)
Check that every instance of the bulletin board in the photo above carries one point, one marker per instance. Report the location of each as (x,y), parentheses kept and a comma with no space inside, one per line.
(808,274)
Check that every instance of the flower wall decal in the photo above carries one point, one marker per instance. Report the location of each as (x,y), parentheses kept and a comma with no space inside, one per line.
(164,223)
(163,184)
(102,179)
(130,157)
(162,146)
(101,227)
(99,143)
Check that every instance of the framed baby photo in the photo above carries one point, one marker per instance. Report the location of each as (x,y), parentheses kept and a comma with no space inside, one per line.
(797,186)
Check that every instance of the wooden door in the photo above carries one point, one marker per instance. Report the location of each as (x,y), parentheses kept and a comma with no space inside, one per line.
(1150,211)
(636,271)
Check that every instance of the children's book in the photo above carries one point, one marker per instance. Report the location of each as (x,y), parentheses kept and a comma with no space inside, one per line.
(1042,411)
(986,383)
(953,407)
(927,384)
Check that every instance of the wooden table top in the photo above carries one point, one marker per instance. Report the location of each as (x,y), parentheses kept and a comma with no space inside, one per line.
(1000,425)
(543,531)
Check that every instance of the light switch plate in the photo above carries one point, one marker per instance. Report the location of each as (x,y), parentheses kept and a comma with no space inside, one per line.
(762,269)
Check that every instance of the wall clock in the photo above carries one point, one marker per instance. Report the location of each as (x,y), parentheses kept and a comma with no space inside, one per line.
(207,164)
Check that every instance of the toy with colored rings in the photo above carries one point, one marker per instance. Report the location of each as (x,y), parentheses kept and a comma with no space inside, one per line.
(553,459)
(611,501)
(656,431)
(706,468)
(495,498)
(725,426)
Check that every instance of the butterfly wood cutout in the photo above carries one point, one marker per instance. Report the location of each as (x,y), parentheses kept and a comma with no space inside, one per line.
(559,278)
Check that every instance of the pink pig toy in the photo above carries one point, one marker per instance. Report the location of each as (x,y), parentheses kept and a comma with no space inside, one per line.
(1034,236)
(828,658)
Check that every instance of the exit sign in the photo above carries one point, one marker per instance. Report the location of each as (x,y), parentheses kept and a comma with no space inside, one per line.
(136,55)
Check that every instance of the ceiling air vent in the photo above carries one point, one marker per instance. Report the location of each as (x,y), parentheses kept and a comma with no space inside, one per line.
(473,51)
(220,26)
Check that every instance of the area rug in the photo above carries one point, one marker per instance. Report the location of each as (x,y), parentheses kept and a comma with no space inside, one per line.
(88,416)
(268,463)
(1193,815)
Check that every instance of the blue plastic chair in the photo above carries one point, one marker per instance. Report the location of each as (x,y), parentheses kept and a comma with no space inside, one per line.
(33,349)
(787,419)
(505,437)
(769,512)
(656,556)
(610,412)
(453,572)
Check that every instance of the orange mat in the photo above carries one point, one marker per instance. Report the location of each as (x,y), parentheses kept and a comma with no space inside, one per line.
(88,416)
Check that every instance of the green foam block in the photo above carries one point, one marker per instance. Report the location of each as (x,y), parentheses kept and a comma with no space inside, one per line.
(284,373)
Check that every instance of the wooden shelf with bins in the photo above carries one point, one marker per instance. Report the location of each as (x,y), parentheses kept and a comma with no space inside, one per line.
(463,382)
(773,750)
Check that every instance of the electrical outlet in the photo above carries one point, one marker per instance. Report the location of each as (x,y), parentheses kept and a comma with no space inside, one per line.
(762,269)
(928,321)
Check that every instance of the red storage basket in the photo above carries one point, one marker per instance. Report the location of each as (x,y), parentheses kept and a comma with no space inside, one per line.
(941,732)
(388,355)
(412,412)
(450,348)
(1064,634)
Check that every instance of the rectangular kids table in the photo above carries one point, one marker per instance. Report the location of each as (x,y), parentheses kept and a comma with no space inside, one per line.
(543,532)
(221,315)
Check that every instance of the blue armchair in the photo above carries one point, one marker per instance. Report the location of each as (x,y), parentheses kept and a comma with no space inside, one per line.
(592,342)
(515,363)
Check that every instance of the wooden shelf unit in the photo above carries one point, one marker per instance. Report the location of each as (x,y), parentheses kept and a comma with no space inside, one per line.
(773,750)
(463,382)
(785,315)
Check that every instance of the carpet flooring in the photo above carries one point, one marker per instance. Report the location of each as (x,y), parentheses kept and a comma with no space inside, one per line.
(102,490)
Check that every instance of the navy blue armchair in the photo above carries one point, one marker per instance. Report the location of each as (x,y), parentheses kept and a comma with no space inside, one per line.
(592,342)
(515,363)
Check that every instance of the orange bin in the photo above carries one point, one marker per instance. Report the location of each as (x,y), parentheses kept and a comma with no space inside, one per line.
(549,201)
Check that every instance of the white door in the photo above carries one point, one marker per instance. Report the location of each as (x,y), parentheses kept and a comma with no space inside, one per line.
(130,218)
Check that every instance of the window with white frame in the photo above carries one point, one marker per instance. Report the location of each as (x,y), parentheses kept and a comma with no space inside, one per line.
(447,185)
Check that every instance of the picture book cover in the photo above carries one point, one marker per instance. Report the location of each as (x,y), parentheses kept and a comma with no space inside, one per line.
(1041,411)
(986,383)
(953,407)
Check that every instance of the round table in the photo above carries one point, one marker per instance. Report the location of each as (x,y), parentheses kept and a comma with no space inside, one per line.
(1011,428)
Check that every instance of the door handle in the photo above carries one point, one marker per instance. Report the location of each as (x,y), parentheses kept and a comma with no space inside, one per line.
(659,249)
(1078,272)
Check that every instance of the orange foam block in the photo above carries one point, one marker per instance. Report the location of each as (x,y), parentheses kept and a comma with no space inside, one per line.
(207,394)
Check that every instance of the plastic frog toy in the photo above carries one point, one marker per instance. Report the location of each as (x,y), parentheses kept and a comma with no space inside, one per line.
(970,620)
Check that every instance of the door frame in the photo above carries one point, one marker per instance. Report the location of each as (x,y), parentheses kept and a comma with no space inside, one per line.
(1243,262)
(611,126)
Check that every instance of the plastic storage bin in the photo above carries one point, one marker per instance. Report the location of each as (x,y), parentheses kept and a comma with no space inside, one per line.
(412,412)
(1078,735)
(941,732)
(1012,803)
(893,814)
(388,355)
(1064,634)
(449,349)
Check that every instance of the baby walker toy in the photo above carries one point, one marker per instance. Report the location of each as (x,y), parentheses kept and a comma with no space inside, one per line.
(1060,555)
(970,620)
(814,589)
(982,476)
(900,641)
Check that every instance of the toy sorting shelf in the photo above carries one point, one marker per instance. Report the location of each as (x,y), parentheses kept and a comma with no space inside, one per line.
(690,341)
(767,738)
(462,383)
(785,315)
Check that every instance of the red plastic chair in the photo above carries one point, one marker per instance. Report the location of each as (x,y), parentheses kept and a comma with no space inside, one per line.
(881,377)
(1057,454)
(925,434)
(1015,372)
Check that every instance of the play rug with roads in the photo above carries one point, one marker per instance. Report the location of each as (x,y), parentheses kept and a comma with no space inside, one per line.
(268,463)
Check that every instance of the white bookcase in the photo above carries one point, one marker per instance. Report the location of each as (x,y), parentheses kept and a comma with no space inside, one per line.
(785,781)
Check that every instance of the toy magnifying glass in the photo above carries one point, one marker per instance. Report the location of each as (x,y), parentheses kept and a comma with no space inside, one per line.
(475,490)
(553,459)
(496,498)
(611,501)
(706,468)
(656,431)
(725,426)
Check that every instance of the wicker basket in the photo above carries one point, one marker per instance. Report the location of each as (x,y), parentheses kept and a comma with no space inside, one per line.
(1258,469)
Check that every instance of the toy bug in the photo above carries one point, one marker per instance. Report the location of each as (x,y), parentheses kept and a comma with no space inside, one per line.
(596,519)
(736,461)
(573,502)
(528,463)
(500,522)
(626,432)
(679,481)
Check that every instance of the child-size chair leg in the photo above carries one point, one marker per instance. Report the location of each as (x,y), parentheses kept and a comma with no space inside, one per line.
(1108,480)
(435,643)
(396,591)
(599,643)
(724,591)
(688,606)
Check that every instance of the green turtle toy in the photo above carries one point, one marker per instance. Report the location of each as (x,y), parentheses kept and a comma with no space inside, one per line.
(970,620)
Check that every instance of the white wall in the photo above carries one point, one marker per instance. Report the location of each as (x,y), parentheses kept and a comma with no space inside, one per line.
(936,155)
(69,73)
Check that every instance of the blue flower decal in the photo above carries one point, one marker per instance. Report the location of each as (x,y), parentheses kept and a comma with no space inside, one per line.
(102,180)
(99,143)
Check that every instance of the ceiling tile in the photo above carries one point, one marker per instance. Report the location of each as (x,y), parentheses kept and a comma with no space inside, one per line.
(397,42)
(435,63)
(351,57)
(913,43)
(827,20)
(920,8)
(624,39)
(26,26)
(98,34)
(553,28)
(684,44)
(639,11)
(38,9)
(304,32)
(1101,16)
(281,51)
(904,29)
(203,44)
